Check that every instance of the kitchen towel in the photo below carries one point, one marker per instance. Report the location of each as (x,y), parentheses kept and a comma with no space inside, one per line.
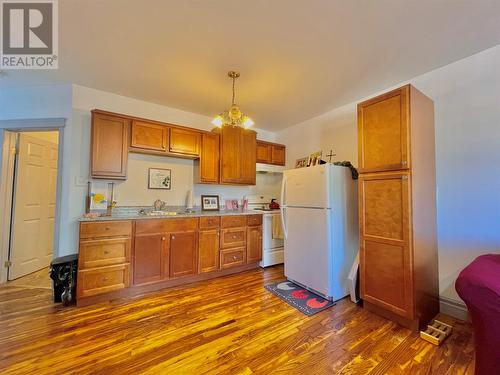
(277,227)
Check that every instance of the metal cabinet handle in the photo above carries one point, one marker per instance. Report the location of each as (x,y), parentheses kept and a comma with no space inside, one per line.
(104,279)
(173,237)
(404,177)
(106,252)
(234,257)
(163,238)
(404,162)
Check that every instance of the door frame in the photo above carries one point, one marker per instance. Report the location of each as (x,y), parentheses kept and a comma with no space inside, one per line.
(7,160)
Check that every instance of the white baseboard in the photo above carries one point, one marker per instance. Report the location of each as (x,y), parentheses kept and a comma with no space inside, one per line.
(453,308)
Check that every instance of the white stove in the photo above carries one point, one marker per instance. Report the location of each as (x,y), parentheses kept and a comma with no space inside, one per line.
(272,248)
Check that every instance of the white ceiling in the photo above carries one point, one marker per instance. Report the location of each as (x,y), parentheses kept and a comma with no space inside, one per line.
(297,59)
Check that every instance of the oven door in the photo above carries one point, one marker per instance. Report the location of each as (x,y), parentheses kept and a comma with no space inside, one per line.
(267,228)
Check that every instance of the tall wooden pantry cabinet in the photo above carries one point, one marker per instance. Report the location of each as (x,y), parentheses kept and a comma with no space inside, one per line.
(397,207)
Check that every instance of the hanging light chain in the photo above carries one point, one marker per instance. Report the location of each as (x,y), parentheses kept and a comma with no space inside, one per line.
(234,79)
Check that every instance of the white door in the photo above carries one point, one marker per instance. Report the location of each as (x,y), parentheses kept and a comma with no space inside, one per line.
(307,248)
(32,240)
(306,187)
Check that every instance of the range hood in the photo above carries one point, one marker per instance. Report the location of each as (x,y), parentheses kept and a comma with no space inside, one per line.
(268,168)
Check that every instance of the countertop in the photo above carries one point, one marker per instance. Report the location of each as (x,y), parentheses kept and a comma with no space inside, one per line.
(133,214)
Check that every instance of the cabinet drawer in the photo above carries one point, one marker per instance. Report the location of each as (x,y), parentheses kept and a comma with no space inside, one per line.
(233,237)
(105,229)
(233,221)
(155,226)
(209,222)
(105,252)
(101,280)
(254,220)
(232,257)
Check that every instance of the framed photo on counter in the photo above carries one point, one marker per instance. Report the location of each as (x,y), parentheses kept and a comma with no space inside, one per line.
(210,203)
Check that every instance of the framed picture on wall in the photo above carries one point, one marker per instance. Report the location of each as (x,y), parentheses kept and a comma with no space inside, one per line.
(209,202)
(301,163)
(160,178)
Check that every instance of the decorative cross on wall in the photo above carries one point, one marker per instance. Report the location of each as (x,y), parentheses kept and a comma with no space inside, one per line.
(330,155)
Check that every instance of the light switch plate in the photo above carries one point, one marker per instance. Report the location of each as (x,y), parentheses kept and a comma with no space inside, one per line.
(81,181)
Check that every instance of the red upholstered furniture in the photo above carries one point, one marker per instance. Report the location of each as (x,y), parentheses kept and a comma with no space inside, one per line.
(479,286)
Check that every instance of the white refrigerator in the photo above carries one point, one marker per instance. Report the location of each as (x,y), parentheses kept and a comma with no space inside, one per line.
(320,223)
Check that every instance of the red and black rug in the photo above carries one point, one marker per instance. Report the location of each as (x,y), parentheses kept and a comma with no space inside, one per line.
(302,299)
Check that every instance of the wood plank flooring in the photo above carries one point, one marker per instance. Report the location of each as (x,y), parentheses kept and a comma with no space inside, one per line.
(38,279)
(230,325)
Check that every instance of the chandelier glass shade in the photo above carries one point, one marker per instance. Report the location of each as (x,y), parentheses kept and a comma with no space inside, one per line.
(233,116)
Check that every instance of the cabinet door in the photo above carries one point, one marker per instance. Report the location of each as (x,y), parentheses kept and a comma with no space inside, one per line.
(264,152)
(151,258)
(254,244)
(186,142)
(208,246)
(109,147)
(209,159)
(383,132)
(183,254)
(385,262)
(278,155)
(247,150)
(230,155)
(149,136)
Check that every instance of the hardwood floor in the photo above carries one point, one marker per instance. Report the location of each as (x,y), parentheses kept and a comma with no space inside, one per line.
(230,325)
(38,279)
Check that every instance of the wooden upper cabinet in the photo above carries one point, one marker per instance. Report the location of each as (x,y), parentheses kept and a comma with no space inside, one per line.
(230,155)
(149,136)
(183,254)
(383,132)
(247,150)
(237,156)
(207,167)
(278,155)
(270,153)
(185,141)
(264,152)
(386,277)
(254,244)
(109,146)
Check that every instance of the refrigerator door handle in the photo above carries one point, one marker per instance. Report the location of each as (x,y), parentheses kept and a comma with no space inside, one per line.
(282,206)
(283,221)
(283,189)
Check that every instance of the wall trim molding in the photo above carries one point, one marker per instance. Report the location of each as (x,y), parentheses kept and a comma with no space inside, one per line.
(39,124)
(454,308)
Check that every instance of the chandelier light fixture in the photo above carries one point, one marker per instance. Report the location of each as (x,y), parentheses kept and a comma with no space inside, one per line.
(233,116)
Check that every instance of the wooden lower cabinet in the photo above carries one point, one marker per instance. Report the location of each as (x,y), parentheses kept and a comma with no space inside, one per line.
(148,254)
(254,244)
(208,245)
(183,254)
(151,258)
(385,241)
(103,252)
(101,280)
(232,257)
